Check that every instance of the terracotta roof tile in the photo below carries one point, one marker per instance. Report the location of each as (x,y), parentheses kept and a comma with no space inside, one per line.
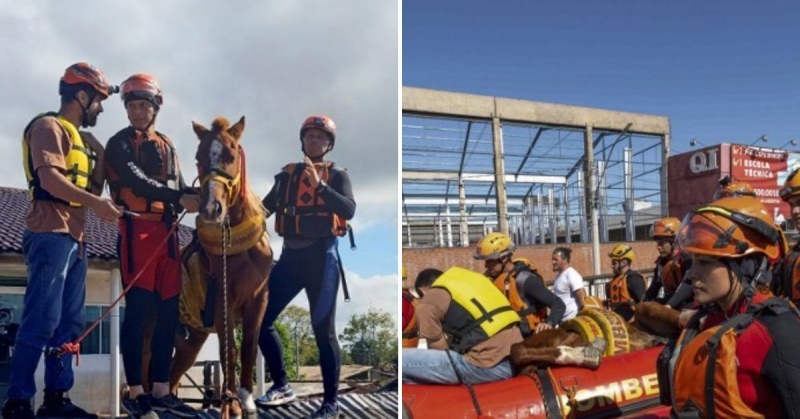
(101,237)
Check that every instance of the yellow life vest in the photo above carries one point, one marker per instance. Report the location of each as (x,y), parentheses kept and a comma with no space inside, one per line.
(478,310)
(79,163)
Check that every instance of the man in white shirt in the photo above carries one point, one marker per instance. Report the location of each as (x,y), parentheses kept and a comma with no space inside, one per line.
(568,284)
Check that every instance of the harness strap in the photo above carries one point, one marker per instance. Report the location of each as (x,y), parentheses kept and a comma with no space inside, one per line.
(341,272)
(487,316)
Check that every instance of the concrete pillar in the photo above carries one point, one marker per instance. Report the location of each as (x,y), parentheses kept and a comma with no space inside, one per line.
(602,201)
(664,177)
(499,175)
(113,317)
(551,212)
(627,171)
(583,211)
(540,218)
(449,224)
(591,180)
(462,209)
(567,219)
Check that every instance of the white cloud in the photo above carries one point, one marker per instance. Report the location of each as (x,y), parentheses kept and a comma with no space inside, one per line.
(380,291)
(274,62)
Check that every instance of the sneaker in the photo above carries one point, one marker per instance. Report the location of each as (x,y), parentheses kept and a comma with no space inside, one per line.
(14,409)
(58,405)
(172,404)
(277,396)
(139,407)
(326,411)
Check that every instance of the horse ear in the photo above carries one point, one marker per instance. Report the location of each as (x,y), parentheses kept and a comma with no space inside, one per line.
(236,130)
(199,130)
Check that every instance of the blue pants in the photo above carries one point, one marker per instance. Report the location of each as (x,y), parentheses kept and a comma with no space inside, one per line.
(314,268)
(53,313)
(431,366)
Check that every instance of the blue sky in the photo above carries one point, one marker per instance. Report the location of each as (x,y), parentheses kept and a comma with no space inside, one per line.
(722,71)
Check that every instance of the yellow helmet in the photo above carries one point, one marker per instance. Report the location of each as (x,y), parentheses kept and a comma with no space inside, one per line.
(791,187)
(665,228)
(622,252)
(494,246)
(730,227)
(523,261)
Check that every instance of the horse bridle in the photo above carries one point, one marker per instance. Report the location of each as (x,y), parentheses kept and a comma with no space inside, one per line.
(231,183)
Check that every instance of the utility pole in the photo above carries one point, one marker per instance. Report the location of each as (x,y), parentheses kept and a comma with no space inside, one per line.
(296,352)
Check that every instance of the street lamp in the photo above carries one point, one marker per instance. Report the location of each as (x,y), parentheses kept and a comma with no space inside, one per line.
(793,142)
(762,138)
(695,142)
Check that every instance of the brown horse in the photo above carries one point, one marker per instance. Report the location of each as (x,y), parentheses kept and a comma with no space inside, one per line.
(565,345)
(234,251)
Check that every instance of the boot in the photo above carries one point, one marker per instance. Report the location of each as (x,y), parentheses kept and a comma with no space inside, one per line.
(58,405)
(17,409)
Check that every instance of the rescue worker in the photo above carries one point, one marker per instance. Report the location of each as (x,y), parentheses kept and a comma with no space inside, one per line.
(671,264)
(682,297)
(64,170)
(736,356)
(520,283)
(145,178)
(312,202)
(786,280)
(568,285)
(410,330)
(628,286)
(729,188)
(469,327)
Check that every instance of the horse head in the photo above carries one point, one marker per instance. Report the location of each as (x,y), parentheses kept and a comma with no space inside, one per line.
(219,167)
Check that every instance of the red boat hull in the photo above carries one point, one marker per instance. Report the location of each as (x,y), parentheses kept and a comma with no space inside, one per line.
(623,385)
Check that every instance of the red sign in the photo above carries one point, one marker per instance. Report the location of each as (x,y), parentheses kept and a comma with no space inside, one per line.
(765,169)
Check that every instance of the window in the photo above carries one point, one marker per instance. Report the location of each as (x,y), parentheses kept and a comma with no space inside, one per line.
(99,341)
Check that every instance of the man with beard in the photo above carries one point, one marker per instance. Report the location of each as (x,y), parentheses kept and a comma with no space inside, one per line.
(64,170)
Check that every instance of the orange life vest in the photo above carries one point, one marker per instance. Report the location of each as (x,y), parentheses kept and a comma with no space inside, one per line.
(618,289)
(156,157)
(507,284)
(301,212)
(704,374)
(411,331)
(672,273)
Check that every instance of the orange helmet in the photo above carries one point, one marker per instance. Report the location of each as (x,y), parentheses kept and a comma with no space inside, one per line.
(494,246)
(730,228)
(81,76)
(665,228)
(142,86)
(321,122)
(728,188)
(791,186)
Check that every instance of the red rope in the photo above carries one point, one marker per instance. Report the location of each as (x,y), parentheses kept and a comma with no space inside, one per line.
(75,347)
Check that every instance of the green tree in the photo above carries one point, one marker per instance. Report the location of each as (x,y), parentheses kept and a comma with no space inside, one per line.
(300,338)
(371,338)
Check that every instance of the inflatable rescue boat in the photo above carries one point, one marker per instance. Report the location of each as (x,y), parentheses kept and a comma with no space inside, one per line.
(623,385)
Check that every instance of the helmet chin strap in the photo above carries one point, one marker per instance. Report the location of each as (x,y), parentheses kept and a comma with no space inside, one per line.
(748,280)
